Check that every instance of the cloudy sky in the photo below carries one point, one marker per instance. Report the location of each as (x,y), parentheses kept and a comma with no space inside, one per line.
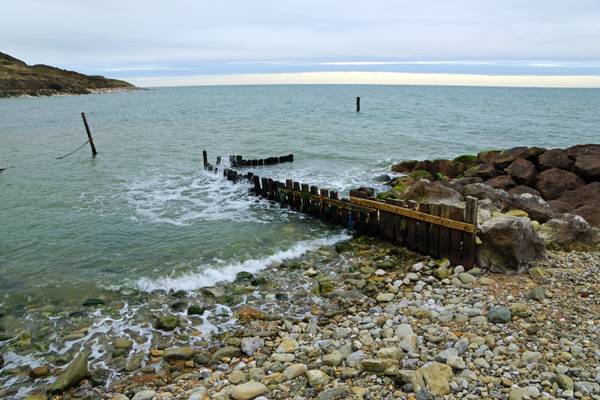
(186,41)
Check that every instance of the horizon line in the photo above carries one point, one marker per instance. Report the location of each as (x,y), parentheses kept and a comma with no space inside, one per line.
(372,78)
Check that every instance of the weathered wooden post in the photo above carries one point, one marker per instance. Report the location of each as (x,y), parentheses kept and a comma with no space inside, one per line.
(89,135)
(205,158)
(358,104)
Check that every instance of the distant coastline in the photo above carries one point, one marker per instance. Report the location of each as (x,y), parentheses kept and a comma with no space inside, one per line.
(17,79)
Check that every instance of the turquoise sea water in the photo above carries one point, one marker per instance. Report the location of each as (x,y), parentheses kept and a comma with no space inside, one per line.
(143,218)
(143,213)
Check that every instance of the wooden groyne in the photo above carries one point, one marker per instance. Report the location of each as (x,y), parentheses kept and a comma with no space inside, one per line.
(438,230)
(239,161)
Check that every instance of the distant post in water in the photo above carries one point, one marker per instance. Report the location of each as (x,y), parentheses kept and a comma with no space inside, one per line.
(89,135)
(358,104)
(205,158)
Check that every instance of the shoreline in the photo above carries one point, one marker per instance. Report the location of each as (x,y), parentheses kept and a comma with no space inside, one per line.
(362,319)
(62,94)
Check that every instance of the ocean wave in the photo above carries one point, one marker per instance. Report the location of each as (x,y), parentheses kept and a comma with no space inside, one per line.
(210,275)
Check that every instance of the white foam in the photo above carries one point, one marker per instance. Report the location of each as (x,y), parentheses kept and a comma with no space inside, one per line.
(210,275)
(200,196)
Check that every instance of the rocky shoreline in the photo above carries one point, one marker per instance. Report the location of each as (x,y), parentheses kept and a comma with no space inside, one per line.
(377,322)
(363,319)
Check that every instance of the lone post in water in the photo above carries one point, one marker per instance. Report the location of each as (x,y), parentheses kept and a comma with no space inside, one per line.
(89,135)
(205,158)
(358,104)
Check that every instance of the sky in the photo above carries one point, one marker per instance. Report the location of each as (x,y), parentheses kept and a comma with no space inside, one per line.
(179,42)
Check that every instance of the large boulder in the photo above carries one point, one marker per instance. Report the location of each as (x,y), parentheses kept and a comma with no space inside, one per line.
(483,171)
(522,171)
(504,182)
(73,374)
(431,192)
(569,232)
(506,157)
(588,167)
(587,160)
(554,182)
(581,201)
(509,244)
(555,158)
(532,204)
(522,189)
(405,166)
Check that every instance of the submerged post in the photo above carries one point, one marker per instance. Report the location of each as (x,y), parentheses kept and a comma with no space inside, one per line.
(358,104)
(89,134)
(205,158)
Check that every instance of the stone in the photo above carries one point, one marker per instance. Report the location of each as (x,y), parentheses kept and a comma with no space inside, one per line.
(73,374)
(294,371)
(179,353)
(283,357)
(523,172)
(248,313)
(122,343)
(404,166)
(93,302)
(145,395)
(431,192)
(394,353)
(287,345)
(377,365)
(499,314)
(538,293)
(484,171)
(195,310)
(520,310)
(436,376)
(526,393)
(456,362)
(1,361)
(248,390)
(224,352)
(236,377)
(588,166)
(530,356)
(565,382)
(444,354)
(317,378)
(535,207)
(466,278)
(39,372)
(334,359)
(340,392)
(250,344)
(569,232)
(504,182)
(385,297)
(553,182)
(555,158)
(508,243)
(442,272)
(167,322)
(522,189)
(581,201)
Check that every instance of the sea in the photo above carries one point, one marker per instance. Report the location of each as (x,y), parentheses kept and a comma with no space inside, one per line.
(143,216)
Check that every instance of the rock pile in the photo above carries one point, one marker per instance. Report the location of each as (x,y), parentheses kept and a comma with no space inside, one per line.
(567,179)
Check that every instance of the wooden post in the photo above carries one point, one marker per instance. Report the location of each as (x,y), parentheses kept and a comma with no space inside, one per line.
(205,158)
(89,134)
(358,104)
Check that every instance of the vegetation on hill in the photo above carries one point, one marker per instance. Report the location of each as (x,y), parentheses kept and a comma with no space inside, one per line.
(19,79)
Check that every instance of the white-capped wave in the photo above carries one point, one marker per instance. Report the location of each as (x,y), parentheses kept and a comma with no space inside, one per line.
(182,199)
(210,275)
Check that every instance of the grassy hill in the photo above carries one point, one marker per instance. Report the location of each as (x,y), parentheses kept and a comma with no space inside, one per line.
(18,79)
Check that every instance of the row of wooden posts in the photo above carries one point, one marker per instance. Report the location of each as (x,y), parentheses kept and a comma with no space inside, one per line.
(439,230)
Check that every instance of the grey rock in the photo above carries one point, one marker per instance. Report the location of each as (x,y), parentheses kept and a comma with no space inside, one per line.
(179,353)
(144,395)
(73,374)
(251,344)
(499,314)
